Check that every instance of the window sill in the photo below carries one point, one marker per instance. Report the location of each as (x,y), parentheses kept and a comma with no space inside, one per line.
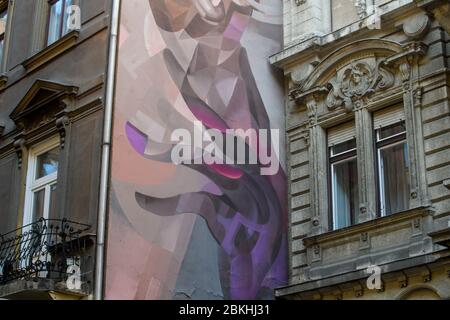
(441,237)
(52,51)
(367,226)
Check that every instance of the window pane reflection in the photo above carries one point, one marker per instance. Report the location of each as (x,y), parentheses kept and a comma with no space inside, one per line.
(66,16)
(47,163)
(38,204)
(55,21)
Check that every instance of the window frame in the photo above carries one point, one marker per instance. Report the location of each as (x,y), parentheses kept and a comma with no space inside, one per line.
(49,16)
(379,145)
(332,160)
(34,184)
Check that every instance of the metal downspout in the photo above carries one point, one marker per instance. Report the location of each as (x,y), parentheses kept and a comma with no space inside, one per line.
(106,152)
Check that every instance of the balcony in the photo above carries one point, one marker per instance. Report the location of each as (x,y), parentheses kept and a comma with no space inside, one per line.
(46,259)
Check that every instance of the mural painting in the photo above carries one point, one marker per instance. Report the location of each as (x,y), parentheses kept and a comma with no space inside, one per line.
(196,231)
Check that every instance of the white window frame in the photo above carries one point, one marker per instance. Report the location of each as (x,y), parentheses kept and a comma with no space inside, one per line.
(333,188)
(34,185)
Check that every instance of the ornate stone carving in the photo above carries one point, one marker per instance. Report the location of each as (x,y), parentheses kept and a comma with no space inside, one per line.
(356,79)
(364,237)
(316,221)
(19,146)
(426,275)
(300,74)
(355,82)
(364,241)
(403,280)
(311,105)
(416,26)
(359,290)
(61,125)
(317,253)
(405,71)
(417,94)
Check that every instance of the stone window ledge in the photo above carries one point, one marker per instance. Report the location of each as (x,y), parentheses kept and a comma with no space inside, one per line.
(38,289)
(52,51)
(367,226)
(393,271)
(441,237)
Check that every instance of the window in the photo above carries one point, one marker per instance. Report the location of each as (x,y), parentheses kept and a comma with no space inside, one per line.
(42,179)
(393,160)
(57,20)
(343,175)
(3,24)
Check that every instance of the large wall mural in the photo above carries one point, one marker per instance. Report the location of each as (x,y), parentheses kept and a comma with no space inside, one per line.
(196,231)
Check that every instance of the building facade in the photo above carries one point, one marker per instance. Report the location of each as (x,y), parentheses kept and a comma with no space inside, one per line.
(52,92)
(368,119)
(358,203)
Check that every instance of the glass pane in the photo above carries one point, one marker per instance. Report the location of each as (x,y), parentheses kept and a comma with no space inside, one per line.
(54,23)
(38,205)
(343,147)
(345,193)
(52,211)
(68,3)
(390,131)
(395,189)
(47,163)
(3,18)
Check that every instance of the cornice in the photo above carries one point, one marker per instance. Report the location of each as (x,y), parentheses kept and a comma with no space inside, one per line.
(52,51)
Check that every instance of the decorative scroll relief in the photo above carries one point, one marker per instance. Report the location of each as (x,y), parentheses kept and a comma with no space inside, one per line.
(354,83)
(357,80)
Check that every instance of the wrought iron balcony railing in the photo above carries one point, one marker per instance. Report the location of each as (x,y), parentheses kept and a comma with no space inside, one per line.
(48,248)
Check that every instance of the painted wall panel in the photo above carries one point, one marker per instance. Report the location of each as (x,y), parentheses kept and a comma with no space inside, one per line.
(196,231)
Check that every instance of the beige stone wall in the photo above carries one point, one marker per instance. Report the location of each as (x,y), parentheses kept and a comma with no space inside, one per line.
(396,288)
(421,83)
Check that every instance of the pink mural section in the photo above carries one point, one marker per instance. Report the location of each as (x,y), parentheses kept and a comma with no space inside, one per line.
(195,231)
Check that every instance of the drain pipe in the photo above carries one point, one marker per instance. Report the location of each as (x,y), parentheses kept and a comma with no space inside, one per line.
(106,152)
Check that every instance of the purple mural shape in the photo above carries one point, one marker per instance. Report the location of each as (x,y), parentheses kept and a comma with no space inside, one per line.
(244,211)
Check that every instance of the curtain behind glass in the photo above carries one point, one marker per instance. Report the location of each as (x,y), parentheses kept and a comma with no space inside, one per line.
(345,193)
(395,169)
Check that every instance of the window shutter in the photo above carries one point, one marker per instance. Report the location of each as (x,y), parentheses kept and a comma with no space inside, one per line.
(341,133)
(388,116)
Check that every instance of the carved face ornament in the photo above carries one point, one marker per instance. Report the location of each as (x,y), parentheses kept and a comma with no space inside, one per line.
(357,80)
